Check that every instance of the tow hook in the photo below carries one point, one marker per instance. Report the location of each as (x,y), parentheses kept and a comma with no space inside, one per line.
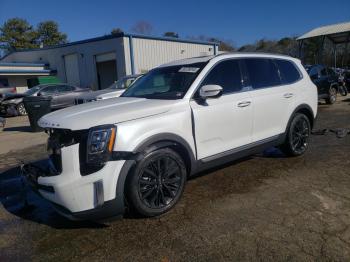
(339,132)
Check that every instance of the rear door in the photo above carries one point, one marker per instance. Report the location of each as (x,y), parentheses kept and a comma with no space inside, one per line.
(270,98)
(223,123)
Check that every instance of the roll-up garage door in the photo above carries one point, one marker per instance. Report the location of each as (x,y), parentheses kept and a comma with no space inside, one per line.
(71,63)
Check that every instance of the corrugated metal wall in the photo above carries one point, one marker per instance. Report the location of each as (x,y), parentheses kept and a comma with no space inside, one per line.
(149,53)
(86,52)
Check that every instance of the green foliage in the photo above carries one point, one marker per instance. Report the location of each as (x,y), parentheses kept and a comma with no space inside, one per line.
(171,34)
(17,33)
(116,31)
(48,34)
(286,45)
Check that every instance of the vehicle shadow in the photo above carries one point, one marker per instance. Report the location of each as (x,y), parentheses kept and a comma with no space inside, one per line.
(25,129)
(272,152)
(18,199)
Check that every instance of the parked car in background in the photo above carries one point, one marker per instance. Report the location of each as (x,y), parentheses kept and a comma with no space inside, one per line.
(326,81)
(6,90)
(179,119)
(63,95)
(347,79)
(114,90)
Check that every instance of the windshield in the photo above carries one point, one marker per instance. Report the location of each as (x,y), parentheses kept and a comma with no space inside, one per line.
(170,82)
(32,90)
(122,83)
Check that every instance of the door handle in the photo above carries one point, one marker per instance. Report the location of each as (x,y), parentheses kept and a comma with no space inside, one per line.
(244,104)
(288,95)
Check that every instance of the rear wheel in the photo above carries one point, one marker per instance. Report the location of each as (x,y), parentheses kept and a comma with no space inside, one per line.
(297,140)
(332,96)
(156,183)
(21,110)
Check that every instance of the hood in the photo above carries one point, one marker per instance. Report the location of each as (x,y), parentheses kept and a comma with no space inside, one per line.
(95,94)
(8,96)
(115,93)
(108,111)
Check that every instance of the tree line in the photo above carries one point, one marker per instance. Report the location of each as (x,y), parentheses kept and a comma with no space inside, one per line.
(17,34)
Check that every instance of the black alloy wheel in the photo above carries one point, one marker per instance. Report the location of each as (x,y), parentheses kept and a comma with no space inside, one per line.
(157,182)
(300,135)
(297,140)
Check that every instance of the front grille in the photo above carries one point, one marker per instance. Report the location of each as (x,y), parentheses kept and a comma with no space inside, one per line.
(59,138)
(63,137)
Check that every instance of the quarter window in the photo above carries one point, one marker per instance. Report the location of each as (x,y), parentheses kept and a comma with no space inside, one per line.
(262,72)
(289,73)
(226,74)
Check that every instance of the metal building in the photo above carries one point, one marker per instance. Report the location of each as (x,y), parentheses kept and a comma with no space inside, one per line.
(100,61)
(336,34)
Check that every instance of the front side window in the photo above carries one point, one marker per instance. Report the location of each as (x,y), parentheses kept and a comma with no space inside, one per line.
(170,82)
(226,74)
(262,72)
(32,90)
(289,73)
(48,90)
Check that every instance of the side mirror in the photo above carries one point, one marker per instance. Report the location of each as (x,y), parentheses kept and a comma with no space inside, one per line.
(210,91)
(38,94)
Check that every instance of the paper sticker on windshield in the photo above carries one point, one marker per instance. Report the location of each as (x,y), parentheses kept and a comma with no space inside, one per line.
(189,70)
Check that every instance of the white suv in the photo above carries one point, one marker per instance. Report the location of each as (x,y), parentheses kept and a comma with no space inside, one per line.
(179,119)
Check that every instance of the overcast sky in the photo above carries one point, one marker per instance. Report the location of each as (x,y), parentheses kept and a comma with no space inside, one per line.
(240,21)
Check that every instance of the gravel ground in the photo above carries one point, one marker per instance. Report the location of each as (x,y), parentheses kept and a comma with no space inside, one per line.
(266,208)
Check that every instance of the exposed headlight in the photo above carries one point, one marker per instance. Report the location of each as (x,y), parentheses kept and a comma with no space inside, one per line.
(100,144)
(11,101)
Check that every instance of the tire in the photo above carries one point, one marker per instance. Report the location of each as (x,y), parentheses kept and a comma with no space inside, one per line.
(298,134)
(343,90)
(21,110)
(150,189)
(332,96)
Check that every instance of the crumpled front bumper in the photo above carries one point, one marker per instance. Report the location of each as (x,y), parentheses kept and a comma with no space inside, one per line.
(90,197)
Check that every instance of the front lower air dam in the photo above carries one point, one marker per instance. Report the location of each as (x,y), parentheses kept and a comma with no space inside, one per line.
(98,193)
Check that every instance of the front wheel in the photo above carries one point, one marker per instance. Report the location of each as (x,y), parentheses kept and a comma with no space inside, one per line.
(298,134)
(21,110)
(156,183)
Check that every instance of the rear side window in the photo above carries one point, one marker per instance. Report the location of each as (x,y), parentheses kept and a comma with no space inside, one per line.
(262,72)
(227,74)
(64,88)
(289,72)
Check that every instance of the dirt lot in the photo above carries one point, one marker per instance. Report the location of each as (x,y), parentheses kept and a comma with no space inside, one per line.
(267,207)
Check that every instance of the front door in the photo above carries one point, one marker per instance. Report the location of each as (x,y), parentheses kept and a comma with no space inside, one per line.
(224,123)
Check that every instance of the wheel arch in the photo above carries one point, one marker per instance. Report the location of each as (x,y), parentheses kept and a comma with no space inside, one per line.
(335,85)
(173,141)
(304,109)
